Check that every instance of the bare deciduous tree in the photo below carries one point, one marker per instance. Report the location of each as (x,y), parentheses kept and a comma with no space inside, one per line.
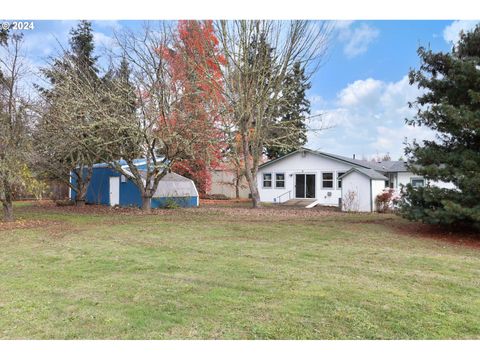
(143,112)
(65,143)
(350,201)
(14,122)
(65,134)
(259,54)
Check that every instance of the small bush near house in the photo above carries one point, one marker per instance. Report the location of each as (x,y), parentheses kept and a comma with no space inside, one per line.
(171,204)
(350,201)
(386,201)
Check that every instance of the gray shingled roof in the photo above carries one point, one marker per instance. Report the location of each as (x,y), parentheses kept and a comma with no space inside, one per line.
(387,166)
(381,166)
(372,174)
(337,157)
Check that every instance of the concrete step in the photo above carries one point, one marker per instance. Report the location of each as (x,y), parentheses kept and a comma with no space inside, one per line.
(298,202)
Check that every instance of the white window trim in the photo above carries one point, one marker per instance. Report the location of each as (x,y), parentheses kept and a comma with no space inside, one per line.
(417,178)
(284,179)
(333,180)
(263,180)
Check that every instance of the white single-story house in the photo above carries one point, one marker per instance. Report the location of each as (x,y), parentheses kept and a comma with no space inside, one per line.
(329,179)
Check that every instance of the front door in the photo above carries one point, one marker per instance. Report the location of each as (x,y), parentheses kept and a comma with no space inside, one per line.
(114,190)
(305,186)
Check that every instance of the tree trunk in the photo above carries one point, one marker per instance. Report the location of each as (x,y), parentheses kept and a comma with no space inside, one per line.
(250,174)
(237,190)
(82,185)
(7,211)
(80,196)
(237,186)
(255,194)
(146,203)
(7,202)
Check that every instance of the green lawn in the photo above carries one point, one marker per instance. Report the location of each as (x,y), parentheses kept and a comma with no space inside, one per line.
(232,274)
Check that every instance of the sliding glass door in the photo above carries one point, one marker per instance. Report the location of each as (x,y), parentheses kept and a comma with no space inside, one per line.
(305,186)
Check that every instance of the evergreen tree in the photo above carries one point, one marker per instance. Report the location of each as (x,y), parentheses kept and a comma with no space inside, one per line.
(286,120)
(122,105)
(294,107)
(65,141)
(82,47)
(3,37)
(78,58)
(451,107)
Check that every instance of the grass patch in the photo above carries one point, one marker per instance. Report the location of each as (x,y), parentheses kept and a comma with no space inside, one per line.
(218,273)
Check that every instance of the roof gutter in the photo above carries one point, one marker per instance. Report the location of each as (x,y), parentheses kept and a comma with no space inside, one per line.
(371,196)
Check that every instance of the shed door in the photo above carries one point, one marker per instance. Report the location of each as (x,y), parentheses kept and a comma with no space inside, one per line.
(114,190)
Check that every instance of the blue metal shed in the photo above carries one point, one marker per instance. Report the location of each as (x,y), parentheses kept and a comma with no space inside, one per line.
(109,187)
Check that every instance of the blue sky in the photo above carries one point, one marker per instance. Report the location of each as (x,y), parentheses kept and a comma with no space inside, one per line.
(361,90)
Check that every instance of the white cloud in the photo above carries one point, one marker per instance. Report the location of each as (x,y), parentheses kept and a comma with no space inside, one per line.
(364,92)
(451,34)
(343,24)
(42,44)
(356,39)
(102,40)
(369,118)
(316,100)
(388,138)
(107,24)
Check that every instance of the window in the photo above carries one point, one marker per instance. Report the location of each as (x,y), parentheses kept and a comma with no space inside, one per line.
(280,180)
(418,183)
(339,181)
(267,180)
(327,180)
(123,178)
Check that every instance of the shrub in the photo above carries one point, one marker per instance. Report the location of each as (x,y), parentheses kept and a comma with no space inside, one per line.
(170,203)
(387,200)
(350,201)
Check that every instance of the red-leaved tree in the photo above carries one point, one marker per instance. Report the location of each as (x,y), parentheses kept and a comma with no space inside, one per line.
(194,62)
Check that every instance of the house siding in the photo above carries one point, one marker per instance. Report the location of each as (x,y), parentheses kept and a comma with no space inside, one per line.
(360,185)
(302,164)
(377,188)
(405,178)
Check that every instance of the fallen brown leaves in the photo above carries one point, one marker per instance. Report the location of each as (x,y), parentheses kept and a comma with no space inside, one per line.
(274,212)
(465,237)
(232,210)
(50,206)
(24,224)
